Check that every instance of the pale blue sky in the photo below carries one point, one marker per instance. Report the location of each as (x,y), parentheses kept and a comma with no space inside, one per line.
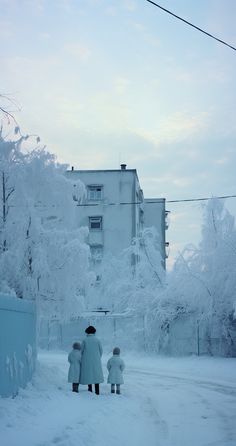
(110,81)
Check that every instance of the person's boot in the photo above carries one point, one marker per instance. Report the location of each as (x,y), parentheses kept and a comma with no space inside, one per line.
(113,388)
(75,387)
(90,389)
(117,389)
(97,389)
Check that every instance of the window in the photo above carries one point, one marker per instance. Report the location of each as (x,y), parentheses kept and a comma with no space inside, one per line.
(167,221)
(95,193)
(167,245)
(141,216)
(141,195)
(95,223)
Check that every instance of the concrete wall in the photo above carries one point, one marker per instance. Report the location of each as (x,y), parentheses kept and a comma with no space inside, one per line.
(17,343)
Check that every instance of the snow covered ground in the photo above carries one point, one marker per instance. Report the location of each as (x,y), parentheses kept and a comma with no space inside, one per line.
(164,402)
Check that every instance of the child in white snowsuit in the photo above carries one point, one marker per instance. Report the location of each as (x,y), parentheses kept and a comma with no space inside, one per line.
(74,358)
(115,366)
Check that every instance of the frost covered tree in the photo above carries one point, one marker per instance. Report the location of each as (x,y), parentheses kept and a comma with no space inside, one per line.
(215,266)
(128,282)
(210,267)
(43,254)
(203,282)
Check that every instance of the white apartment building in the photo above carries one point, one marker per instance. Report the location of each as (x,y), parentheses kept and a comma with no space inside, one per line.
(115,210)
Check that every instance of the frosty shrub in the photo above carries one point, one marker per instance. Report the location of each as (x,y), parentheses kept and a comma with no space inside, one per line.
(43,254)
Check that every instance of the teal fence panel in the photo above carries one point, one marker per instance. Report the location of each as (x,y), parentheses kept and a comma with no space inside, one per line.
(17,343)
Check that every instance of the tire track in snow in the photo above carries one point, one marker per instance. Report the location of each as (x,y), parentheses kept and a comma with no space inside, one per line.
(208,405)
(217,387)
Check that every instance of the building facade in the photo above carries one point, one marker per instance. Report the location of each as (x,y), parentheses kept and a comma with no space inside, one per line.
(116,211)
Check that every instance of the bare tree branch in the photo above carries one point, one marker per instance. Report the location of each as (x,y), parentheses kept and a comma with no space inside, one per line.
(9,194)
(8,113)
(195,277)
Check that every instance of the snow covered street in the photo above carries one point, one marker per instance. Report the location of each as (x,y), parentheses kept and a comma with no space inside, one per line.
(164,402)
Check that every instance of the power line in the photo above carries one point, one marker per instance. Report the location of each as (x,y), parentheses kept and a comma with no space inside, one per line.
(191,24)
(201,199)
(158,201)
(125,203)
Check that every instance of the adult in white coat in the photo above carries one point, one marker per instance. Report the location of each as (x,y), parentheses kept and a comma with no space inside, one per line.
(91,365)
(115,367)
(74,358)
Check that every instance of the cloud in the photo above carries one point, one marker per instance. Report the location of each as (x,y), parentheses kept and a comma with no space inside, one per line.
(77,50)
(137,26)
(178,126)
(39,5)
(121,84)
(217,72)
(44,36)
(176,216)
(182,182)
(66,5)
(6,29)
(129,5)
(148,135)
(151,40)
(221,161)
(111,11)
(183,75)
(177,181)
(183,124)
(210,70)
(146,36)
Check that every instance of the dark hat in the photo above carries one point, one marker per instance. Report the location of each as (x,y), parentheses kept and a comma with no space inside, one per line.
(90,330)
(116,351)
(77,346)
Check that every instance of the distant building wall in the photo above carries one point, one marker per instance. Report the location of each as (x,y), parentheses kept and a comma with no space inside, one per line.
(117,199)
(119,224)
(17,344)
(154,215)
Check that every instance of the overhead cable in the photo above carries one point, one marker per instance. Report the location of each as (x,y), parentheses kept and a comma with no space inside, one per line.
(124,203)
(159,200)
(191,24)
(201,199)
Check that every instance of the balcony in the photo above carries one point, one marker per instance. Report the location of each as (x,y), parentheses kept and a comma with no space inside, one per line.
(167,219)
(167,250)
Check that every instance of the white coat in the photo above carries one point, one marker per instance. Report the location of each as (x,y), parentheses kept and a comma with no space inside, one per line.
(115,366)
(74,358)
(91,365)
